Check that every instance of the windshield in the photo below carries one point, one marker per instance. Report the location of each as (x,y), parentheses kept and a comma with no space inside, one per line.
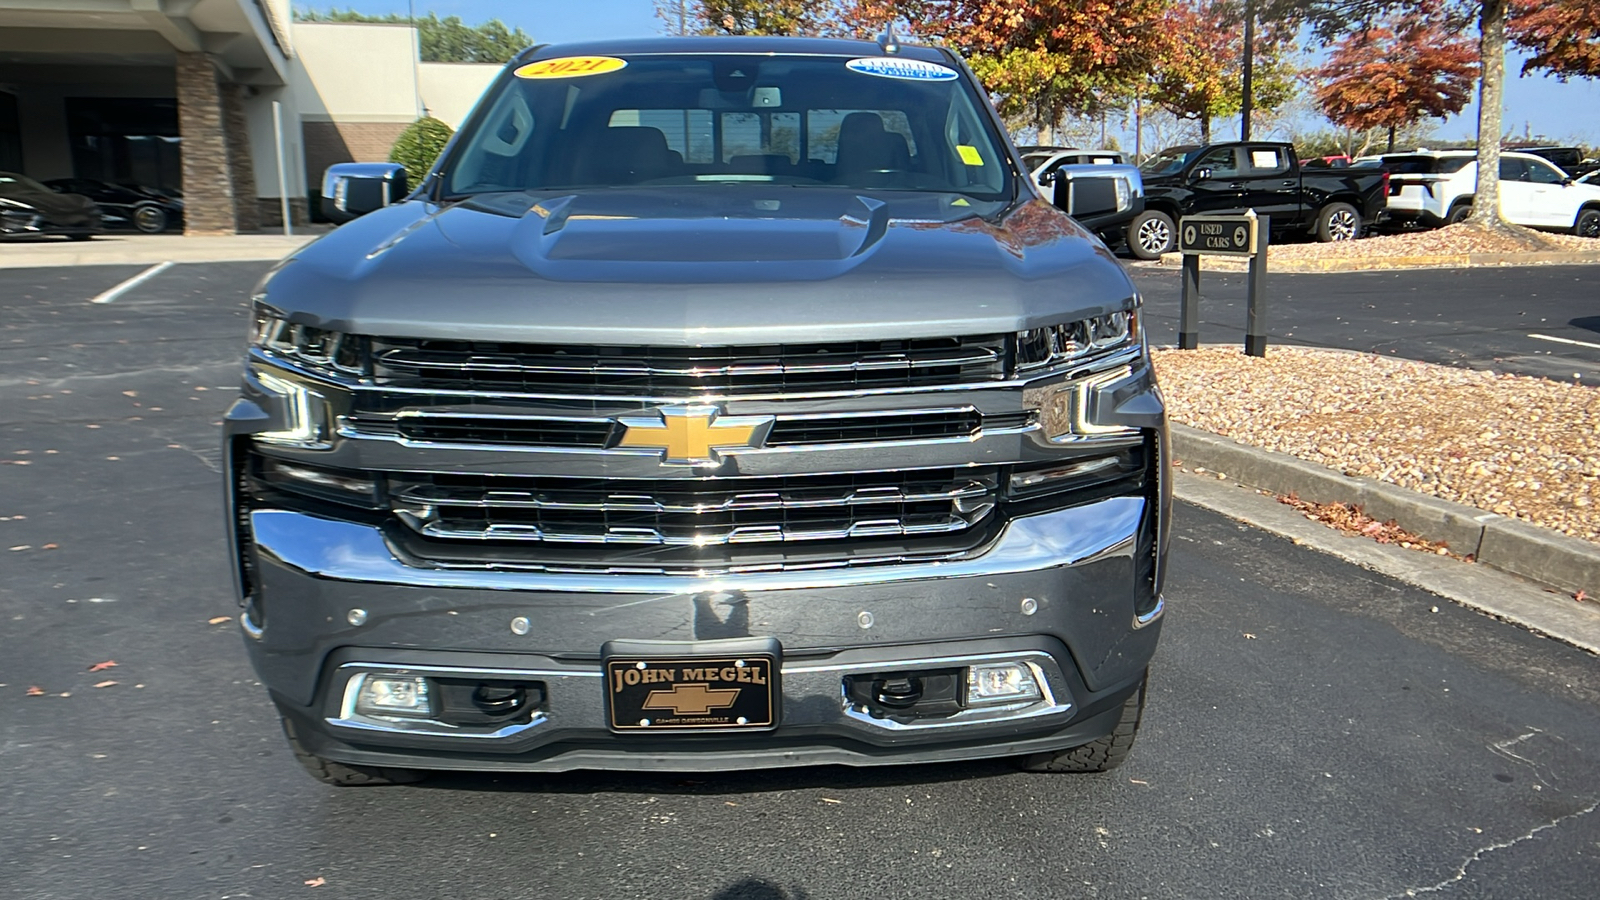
(12,179)
(588,122)
(1167,162)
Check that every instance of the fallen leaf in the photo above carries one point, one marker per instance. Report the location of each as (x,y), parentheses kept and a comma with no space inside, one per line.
(318,881)
(21,547)
(1136,781)
(729,803)
(105,684)
(1248,636)
(130,393)
(102,666)
(50,547)
(35,691)
(1580,596)
(217,620)
(831,800)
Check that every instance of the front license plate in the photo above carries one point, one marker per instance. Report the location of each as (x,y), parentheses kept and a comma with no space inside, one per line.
(659,694)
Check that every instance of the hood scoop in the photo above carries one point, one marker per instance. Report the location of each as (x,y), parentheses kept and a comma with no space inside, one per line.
(572,230)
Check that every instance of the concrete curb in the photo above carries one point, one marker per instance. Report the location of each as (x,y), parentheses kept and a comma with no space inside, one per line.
(1549,557)
(1385,263)
(145,250)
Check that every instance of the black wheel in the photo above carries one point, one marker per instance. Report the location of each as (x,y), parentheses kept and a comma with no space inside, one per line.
(1338,222)
(150,219)
(1102,755)
(1588,224)
(1458,214)
(80,237)
(1151,233)
(341,775)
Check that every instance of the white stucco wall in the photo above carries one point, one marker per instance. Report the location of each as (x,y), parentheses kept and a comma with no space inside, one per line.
(450,90)
(354,72)
(263,147)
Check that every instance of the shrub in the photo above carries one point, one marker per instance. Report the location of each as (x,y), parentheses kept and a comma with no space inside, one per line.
(418,146)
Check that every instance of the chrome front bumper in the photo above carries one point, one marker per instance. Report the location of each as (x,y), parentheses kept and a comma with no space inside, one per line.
(1058,590)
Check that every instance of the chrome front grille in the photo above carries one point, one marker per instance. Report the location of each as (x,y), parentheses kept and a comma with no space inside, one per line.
(562,370)
(512,429)
(694,513)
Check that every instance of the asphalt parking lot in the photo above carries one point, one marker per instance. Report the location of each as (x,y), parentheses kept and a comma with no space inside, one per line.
(1536,320)
(1313,730)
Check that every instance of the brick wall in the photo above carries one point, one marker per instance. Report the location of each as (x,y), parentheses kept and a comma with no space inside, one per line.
(241,169)
(327,143)
(271,212)
(209,206)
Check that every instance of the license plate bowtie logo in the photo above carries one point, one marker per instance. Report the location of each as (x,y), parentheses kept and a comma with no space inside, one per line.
(692,435)
(691,699)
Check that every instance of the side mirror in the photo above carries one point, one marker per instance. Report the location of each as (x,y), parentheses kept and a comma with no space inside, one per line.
(350,190)
(1200,175)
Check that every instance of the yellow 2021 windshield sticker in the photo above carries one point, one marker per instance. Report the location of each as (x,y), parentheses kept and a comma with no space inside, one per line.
(571,67)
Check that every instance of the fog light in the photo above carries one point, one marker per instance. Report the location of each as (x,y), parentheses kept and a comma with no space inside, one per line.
(1001,683)
(387,695)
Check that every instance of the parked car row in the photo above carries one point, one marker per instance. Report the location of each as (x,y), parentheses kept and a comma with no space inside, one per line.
(1435,187)
(1329,199)
(80,208)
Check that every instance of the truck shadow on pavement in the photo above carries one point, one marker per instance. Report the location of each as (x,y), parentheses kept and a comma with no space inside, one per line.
(718,783)
(1587,323)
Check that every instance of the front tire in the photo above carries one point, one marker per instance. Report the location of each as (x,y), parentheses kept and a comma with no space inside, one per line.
(150,219)
(1588,224)
(341,775)
(1152,233)
(1458,214)
(1338,222)
(1102,755)
(80,237)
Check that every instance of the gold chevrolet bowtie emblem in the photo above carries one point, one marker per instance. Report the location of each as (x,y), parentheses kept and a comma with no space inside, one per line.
(691,699)
(692,435)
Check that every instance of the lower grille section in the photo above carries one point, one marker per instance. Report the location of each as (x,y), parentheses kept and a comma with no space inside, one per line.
(709,513)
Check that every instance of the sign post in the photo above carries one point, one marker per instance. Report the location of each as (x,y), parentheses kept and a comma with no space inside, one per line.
(1245,235)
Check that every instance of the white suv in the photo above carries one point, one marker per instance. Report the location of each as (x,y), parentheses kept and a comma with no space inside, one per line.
(1435,187)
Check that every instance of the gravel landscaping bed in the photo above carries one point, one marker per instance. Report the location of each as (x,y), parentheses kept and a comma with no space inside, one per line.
(1511,444)
(1447,241)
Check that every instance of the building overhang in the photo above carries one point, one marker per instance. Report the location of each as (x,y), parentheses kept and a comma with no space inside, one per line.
(244,38)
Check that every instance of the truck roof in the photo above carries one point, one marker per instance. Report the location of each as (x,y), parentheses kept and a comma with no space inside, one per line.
(729,44)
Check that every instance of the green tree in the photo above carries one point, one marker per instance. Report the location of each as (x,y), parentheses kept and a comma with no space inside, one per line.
(419,146)
(1198,74)
(759,17)
(442,40)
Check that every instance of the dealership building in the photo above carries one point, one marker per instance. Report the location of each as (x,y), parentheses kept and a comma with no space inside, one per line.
(179,95)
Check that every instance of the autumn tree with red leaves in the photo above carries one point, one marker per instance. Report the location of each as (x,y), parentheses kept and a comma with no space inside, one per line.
(758,17)
(1198,74)
(1041,58)
(1562,37)
(1407,68)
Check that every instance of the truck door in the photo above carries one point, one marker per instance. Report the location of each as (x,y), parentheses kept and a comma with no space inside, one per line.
(1271,186)
(1215,184)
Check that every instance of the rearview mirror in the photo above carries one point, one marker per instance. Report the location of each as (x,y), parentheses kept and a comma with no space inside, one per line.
(350,190)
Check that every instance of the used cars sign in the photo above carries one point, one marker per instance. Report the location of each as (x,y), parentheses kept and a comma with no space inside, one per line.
(1218,235)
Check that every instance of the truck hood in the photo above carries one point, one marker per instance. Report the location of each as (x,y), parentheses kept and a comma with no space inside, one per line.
(699,266)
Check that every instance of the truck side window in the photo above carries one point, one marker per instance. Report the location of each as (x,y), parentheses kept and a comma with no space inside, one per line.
(1513,170)
(1541,173)
(1221,162)
(1267,161)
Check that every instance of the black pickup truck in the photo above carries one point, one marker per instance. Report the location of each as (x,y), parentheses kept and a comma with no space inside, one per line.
(1227,179)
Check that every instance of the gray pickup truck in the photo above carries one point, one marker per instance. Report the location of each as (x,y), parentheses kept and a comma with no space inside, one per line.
(712,404)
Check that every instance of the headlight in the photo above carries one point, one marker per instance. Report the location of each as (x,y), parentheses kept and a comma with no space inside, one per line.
(314,349)
(1057,345)
(1124,192)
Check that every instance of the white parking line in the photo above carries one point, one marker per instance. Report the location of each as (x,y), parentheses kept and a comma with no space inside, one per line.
(1562,340)
(131,283)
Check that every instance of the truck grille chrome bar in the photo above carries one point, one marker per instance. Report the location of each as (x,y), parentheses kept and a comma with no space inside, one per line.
(627,371)
(700,514)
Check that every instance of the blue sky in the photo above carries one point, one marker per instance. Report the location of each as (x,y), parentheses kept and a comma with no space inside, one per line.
(1562,112)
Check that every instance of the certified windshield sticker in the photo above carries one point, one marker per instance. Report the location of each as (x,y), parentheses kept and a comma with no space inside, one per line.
(571,67)
(970,154)
(909,69)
